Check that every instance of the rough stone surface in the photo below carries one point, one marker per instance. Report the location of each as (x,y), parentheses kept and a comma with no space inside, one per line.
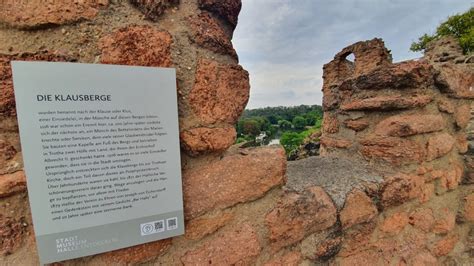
(439,145)
(445,222)
(12,231)
(445,105)
(451,178)
(137,45)
(395,150)
(400,76)
(289,259)
(237,247)
(407,125)
(208,34)
(384,103)
(469,207)
(201,227)
(12,183)
(400,188)
(358,208)
(298,215)
(235,178)
(338,176)
(356,125)
(7,152)
(203,140)
(134,255)
(445,245)
(422,218)
(330,124)
(36,13)
(395,223)
(424,258)
(329,142)
(463,115)
(220,92)
(153,9)
(227,9)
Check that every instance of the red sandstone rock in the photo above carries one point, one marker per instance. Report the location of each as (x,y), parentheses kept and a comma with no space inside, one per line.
(208,33)
(12,232)
(356,125)
(289,259)
(445,223)
(369,55)
(452,177)
(456,80)
(7,151)
(469,207)
(397,151)
(233,179)
(407,125)
(394,224)
(424,258)
(334,142)
(134,255)
(227,9)
(152,9)
(445,245)
(298,215)
(427,192)
(445,105)
(328,248)
(387,103)
(220,92)
(330,123)
(7,99)
(202,140)
(237,247)
(463,114)
(461,142)
(358,208)
(12,183)
(36,13)
(137,45)
(404,75)
(400,188)
(201,227)
(422,218)
(439,145)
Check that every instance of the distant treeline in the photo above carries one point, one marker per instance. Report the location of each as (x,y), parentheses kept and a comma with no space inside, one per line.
(274,114)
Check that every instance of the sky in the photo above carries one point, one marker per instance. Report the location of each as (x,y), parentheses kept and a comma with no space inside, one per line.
(285,43)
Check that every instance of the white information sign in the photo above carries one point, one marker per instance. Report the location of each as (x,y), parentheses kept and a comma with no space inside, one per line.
(100,145)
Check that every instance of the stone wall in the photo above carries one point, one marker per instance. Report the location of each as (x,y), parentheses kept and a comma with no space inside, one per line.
(226,192)
(408,119)
(393,195)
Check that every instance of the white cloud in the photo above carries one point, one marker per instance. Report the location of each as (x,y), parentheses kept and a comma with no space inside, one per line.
(284,43)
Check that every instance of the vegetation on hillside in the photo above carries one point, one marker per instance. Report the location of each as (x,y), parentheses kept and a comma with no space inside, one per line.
(289,124)
(461,26)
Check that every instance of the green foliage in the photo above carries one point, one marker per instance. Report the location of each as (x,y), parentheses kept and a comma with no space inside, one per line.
(284,124)
(461,26)
(299,122)
(287,123)
(291,141)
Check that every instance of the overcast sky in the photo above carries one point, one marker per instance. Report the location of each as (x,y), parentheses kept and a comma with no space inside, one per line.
(284,43)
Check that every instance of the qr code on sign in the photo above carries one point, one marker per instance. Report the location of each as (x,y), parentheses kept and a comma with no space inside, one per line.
(160,226)
(172,223)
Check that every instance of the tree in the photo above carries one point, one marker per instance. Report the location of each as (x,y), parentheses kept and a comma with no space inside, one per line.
(291,141)
(299,122)
(284,124)
(461,26)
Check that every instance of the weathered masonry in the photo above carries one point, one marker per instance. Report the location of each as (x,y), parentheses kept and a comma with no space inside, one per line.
(394,184)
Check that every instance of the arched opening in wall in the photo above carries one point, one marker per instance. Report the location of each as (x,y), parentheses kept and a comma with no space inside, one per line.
(350,57)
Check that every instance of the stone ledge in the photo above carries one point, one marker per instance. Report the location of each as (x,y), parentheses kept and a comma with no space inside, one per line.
(338,176)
